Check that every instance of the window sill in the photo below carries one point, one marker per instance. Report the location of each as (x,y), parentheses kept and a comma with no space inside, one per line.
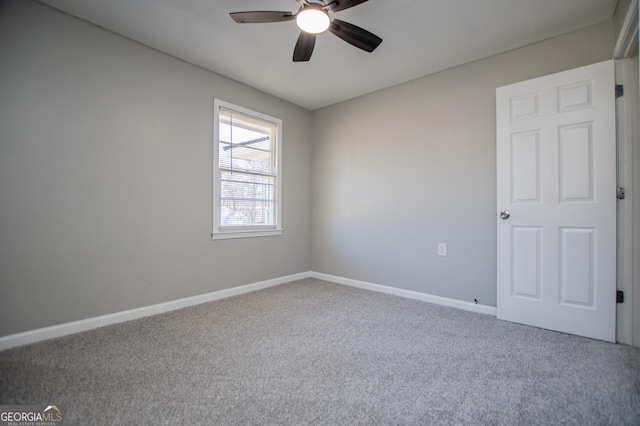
(228,235)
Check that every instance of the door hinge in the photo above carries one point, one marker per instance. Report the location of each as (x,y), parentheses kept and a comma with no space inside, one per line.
(619,296)
(619,90)
(620,193)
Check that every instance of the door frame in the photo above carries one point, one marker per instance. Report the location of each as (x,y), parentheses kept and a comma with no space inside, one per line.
(628,143)
(627,328)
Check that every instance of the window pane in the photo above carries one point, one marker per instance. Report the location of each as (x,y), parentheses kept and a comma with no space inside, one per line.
(247,200)
(245,143)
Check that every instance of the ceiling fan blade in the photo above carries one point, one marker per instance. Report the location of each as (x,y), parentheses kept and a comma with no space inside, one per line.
(304,47)
(261,17)
(354,35)
(339,5)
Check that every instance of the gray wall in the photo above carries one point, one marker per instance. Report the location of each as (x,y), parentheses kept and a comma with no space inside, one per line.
(105,175)
(400,170)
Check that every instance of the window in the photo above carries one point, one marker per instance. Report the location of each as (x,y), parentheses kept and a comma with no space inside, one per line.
(246,173)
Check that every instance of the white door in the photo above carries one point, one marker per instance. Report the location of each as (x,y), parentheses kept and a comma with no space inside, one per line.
(556,181)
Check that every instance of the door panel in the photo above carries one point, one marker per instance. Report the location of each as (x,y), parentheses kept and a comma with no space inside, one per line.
(525,167)
(525,250)
(576,162)
(556,172)
(576,267)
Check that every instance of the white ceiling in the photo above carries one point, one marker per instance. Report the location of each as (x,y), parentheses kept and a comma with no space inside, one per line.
(421,37)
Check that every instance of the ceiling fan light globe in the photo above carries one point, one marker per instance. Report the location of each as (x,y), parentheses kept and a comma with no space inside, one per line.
(312,20)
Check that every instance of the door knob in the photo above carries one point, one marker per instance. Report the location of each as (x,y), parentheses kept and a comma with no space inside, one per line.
(504,214)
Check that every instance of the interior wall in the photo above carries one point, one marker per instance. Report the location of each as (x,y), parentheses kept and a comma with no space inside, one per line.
(398,171)
(106,177)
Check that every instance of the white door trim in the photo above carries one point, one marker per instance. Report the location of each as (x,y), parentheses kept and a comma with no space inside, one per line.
(627,42)
(627,131)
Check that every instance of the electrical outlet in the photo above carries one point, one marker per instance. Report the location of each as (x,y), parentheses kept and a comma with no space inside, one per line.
(442,249)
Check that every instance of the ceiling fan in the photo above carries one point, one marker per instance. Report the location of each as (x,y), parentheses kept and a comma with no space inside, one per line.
(313,18)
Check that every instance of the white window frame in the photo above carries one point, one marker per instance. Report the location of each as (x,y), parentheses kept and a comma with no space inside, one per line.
(220,232)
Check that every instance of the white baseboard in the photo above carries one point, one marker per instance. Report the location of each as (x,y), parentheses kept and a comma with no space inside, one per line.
(45,333)
(60,330)
(453,303)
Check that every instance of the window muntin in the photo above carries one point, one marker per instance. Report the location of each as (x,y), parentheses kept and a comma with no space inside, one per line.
(246,172)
